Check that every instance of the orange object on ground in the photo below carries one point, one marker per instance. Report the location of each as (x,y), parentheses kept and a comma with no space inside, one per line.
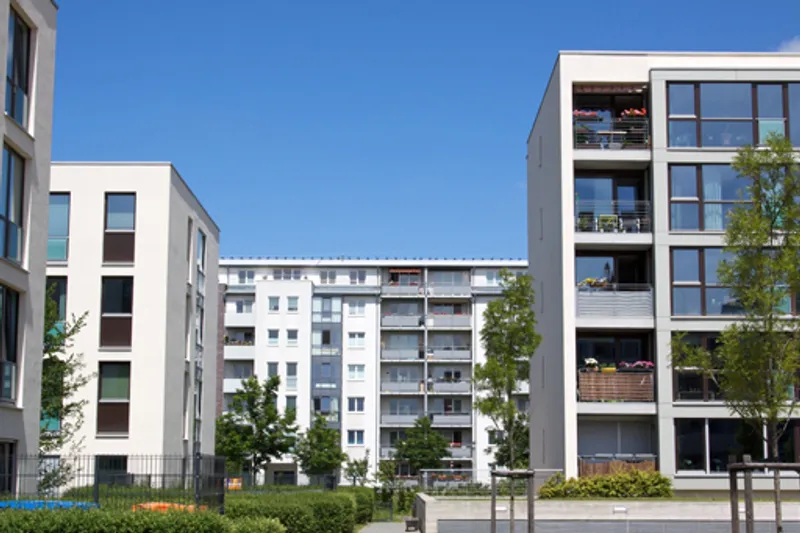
(163,507)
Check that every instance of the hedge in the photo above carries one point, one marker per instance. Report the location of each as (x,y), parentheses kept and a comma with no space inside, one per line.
(313,512)
(257,524)
(99,521)
(365,502)
(631,484)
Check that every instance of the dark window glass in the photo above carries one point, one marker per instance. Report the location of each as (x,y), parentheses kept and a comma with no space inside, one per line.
(18,68)
(11,199)
(681,99)
(683,181)
(682,133)
(58,228)
(117,295)
(794,113)
(690,444)
(685,264)
(120,211)
(770,101)
(113,407)
(732,437)
(684,216)
(726,100)
(58,288)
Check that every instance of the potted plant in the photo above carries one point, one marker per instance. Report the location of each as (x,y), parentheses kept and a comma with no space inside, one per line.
(590,364)
(644,366)
(608,223)
(608,368)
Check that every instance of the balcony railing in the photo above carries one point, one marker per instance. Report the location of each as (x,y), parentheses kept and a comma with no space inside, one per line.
(617,386)
(611,134)
(387,452)
(451,419)
(396,419)
(403,386)
(450,321)
(401,321)
(449,289)
(401,354)
(450,353)
(609,216)
(601,464)
(8,381)
(459,452)
(601,299)
(417,289)
(457,387)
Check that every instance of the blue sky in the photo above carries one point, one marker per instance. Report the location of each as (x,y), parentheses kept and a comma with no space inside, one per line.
(355,128)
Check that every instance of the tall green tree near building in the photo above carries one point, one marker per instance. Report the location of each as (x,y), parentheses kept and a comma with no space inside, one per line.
(423,448)
(757,361)
(319,450)
(510,340)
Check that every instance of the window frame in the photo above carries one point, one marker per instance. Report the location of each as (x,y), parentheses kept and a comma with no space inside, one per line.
(50,235)
(11,160)
(354,375)
(273,365)
(273,304)
(289,340)
(699,201)
(19,75)
(701,284)
(355,437)
(273,340)
(113,401)
(9,341)
(289,307)
(356,339)
(356,404)
(103,280)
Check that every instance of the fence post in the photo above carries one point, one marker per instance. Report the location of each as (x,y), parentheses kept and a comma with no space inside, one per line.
(531,503)
(96,484)
(733,476)
(748,497)
(494,505)
(197,480)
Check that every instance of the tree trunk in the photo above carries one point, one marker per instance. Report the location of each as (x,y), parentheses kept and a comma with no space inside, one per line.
(510,443)
(776,477)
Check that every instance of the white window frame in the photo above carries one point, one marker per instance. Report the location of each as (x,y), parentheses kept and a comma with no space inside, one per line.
(356,404)
(289,340)
(273,341)
(357,307)
(289,308)
(354,375)
(356,339)
(355,434)
(271,300)
(327,277)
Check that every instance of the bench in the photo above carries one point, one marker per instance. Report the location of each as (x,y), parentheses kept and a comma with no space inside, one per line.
(412,523)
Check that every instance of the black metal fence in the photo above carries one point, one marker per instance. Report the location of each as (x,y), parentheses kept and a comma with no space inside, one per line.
(117,481)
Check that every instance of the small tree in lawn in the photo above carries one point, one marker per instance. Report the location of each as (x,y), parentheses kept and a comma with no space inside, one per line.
(357,470)
(319,450)
(756,363)
(423,448)
(253,431)
(509,338)
(62,415)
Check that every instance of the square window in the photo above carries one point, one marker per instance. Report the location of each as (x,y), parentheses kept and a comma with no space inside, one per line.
(291,403)
(272,336)
(356,339)
(357,307)
(355,405)
(274,304)
(355,437)
(272,370)
(291,337)
(292,304)
(355,372)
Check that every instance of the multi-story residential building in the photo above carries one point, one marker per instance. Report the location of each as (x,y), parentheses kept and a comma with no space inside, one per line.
(131,246)
(28,44)
(629,182)
(370,344)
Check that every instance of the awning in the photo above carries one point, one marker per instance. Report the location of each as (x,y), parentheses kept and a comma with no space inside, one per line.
(404,270)
(614,88)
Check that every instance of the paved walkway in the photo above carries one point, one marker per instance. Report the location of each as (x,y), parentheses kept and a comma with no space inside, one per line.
(384,527)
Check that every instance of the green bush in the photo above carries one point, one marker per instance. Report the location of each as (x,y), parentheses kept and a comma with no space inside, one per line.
(364,500)
(334,513)
(631,484)
(294,515)
(405,499)
(99,521)
(257,524)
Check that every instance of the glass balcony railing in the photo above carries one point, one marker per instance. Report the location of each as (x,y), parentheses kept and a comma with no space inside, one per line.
(57,248)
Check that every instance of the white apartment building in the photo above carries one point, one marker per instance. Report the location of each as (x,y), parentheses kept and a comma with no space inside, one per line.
(372,344)
(131,245)
(629,182)
(27,41)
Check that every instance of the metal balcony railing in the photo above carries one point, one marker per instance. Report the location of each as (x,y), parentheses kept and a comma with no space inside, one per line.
(441,288)
(611,134)
(413,320)
(402,354)
(399,419)
(451,419)
(613,216)
(403,290)
(635,386)
(450,353)
(449,321)
(403,386)
(596,298)
(457,387)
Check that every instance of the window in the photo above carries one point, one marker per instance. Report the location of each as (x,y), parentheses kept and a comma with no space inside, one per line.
(291,337)
(113,408)
(274,304)
(326,370)
(355,405)
(58,286)
(8,475)
(355,437)
(444,278)
(119,238)
(11,199)
(238,369)
(272,370)
(356,340)
(18,69)
(690,444)
(495,435)
(452,406)
(291,376)
(272,336)
(201,251)
(292,304)
(357,307)
(58,227)
(247,277)
(695,287)
(729,115)
(286,274)
(328,309)
(702,196)
(9,309)
(291,403)
(355,372)
(358,277)
(244,307)
(327,277)
(725,437)
(112,470)
(116,320)
(493,277)
(227,401)
(691,385)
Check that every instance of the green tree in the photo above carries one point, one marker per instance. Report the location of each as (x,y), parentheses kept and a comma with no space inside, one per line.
(509,338)
(757,360)
(521,445)
(253,432)
(423,448)
(319,450)
(387,476)
(63,375)
(357,470)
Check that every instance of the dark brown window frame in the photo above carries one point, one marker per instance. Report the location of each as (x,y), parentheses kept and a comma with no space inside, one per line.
(9,336)
(700,202)
(7,183)
(119,245)
(55,280)
(698,112)
(20,75)
(116,411)
(648,351)
(705,342)
(111,320)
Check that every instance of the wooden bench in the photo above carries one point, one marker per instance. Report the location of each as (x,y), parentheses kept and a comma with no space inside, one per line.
(412,523)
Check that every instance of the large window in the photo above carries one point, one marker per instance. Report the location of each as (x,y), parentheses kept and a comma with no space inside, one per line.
(18,68)
(58,286)
(705,445)
(58,228)
(11,200)
(238,369)
(9,322)
(608,350)
(729,115)
(113,408)
(116,321)
(702,196)
(691,385)
(119,239)
(696,290)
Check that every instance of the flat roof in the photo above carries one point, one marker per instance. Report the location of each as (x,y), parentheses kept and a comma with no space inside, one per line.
(370,262)
(676,53)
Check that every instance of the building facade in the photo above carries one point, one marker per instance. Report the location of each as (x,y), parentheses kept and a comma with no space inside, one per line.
(132,247)
(629,183)
(28,44)
(370,344)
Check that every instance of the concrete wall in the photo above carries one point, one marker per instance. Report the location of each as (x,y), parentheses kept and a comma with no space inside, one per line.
(19,420)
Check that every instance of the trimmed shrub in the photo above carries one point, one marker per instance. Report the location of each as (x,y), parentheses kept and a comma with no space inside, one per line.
(365,502)
(99,521)
(334,513)
(631,484)
(255,524)
(294,515)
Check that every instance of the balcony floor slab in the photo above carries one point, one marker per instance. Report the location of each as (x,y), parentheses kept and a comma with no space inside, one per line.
(616,408)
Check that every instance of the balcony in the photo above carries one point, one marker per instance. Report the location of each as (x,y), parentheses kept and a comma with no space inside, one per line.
(601,464)
(451,387)
(231,385)
(459,452)
(239,320)
(449,353)
(613,216)
(616,386)
(413,320)
(403,387)
(442,289)
(401,354)
(596,298)
(8,381)
(398,289)
(450,321)
(391,419)
(387,452)
(242,288)
(451,419)
(592,131)
(240,351)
